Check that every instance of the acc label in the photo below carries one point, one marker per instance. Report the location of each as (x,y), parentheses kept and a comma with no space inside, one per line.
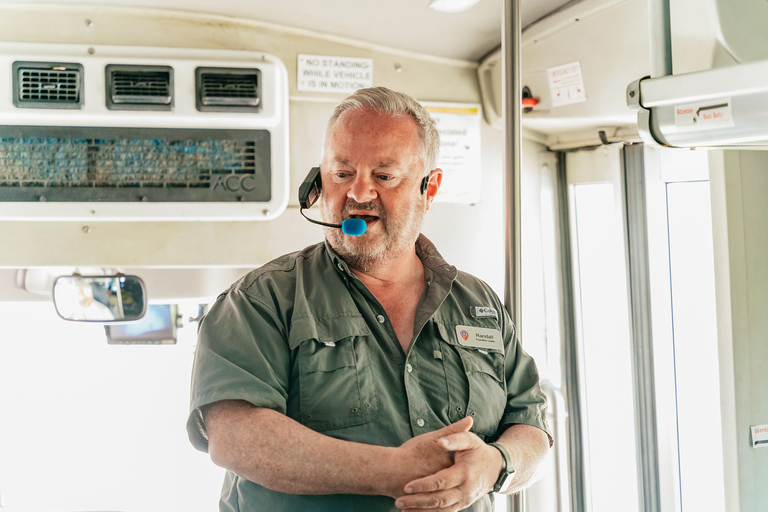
(235,183)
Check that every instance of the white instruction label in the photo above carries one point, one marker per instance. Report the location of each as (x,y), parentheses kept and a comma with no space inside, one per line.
(323,73)
(459,126)
(707,115)
(566,84)
(759,436)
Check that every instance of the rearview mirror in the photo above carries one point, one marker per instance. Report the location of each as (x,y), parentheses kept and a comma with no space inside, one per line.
(118,298)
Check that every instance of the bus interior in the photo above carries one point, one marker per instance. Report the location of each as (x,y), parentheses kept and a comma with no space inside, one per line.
(604,172)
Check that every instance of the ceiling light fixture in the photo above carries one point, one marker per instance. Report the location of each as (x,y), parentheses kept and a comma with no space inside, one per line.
(452,5)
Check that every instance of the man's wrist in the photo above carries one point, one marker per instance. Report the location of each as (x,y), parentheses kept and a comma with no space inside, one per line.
(507,469)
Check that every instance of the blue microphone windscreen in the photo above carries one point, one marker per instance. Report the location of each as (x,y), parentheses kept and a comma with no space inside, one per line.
(353,227)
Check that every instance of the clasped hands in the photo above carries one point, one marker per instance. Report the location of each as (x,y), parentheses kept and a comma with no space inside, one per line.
(450,484)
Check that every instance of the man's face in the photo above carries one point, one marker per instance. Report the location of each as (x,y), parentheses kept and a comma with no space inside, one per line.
(371,169)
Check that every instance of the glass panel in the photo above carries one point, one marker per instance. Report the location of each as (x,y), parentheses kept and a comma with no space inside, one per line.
(110,433)
(695,342)
(602,316)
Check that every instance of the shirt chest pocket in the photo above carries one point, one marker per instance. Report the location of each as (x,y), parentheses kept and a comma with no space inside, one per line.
(475,382)
(336,385)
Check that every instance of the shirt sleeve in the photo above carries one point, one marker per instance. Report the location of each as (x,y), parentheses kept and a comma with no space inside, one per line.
(241,354)
(526,402)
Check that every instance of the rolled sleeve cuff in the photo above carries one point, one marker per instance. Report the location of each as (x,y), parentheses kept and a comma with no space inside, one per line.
(526,418)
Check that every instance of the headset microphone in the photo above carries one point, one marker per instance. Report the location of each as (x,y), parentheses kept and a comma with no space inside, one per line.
(309,192)
(350,226)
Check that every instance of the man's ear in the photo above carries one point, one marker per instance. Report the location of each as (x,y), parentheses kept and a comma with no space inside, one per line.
(435,179)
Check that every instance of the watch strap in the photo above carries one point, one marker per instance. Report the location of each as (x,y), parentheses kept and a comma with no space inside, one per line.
(507,471)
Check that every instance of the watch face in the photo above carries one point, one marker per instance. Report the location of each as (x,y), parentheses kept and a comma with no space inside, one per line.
(501,483)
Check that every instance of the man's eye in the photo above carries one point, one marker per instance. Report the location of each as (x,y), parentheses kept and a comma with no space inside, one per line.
(341,174)
(384,177)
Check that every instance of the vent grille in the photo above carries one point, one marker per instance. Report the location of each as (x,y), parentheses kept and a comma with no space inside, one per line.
(222,89)
(139,87)
(105,168)
(47,85)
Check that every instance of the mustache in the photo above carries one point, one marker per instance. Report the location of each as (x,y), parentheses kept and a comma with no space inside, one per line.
(369,206)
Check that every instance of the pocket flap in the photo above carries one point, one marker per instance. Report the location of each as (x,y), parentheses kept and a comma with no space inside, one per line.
(326,330)
(489,364)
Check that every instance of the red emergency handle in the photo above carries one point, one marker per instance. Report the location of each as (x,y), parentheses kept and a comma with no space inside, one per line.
(530,102)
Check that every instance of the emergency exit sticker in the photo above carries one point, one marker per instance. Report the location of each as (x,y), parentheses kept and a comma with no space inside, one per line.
(707,115)
(759,436)
(566,84)
(323,73)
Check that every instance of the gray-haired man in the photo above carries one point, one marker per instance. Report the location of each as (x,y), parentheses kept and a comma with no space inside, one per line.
(365,372)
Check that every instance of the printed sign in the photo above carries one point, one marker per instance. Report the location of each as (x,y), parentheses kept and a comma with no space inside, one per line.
(759,436)
(459,126)
(322,73)
(566,84)
(707,115)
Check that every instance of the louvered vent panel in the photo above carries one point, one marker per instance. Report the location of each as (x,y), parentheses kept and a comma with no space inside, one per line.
(228,89)
(141,88)
(131,87)
(47,85)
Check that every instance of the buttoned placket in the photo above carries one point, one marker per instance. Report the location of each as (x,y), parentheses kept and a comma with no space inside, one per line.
(416,401)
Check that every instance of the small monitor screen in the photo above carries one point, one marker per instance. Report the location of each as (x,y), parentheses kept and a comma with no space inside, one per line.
(158,327)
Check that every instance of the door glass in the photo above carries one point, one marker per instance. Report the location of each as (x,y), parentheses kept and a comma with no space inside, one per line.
(695,346)
(604,343)
(89,426)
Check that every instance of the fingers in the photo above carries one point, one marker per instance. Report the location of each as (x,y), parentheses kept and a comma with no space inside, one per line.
(459,442)
(449,500)
(440,491)
(463,425)
(446,479)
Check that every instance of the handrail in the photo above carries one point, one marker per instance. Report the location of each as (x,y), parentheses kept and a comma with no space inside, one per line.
(556,420)
(511,95)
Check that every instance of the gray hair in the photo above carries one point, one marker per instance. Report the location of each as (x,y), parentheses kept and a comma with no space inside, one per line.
(389,102)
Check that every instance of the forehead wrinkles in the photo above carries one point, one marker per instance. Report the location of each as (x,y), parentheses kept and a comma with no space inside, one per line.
(384,137)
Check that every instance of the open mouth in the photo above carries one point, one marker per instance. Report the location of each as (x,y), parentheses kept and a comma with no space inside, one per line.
(369,219)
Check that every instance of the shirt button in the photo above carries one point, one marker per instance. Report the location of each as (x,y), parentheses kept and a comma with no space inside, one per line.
(420,422)
(409,368)
(341,267)
(381,319)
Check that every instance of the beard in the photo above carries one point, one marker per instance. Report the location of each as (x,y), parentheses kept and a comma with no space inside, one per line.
(366,251)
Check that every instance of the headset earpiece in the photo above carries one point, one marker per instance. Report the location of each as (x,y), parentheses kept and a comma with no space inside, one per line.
(424,184)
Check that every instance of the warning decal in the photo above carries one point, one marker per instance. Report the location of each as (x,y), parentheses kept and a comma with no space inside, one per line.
(323,73)
(707,115)
(566,84)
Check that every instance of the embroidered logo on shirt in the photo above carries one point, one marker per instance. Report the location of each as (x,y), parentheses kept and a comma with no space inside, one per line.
(484,312)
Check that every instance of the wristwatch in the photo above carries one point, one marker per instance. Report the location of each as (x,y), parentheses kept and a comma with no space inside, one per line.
(506,472)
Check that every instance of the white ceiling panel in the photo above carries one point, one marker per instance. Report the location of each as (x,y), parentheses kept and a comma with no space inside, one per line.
(404,24)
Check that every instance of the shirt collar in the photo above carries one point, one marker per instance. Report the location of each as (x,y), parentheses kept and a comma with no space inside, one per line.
(425,250)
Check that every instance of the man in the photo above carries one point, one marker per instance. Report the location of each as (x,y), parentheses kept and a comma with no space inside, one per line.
(365,372)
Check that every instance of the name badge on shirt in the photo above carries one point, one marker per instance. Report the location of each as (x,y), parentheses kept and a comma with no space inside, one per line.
(479,337)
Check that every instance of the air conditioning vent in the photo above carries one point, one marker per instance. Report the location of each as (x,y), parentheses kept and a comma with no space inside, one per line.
(116,133)
(55,164)
(228,89)
(47,85)
(139,87)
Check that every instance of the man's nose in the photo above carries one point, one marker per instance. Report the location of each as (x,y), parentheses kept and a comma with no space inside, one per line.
(363,189)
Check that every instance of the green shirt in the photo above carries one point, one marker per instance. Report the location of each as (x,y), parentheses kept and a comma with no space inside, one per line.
(303,336)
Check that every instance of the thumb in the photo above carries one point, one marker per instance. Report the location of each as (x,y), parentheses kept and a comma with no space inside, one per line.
(463,425)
